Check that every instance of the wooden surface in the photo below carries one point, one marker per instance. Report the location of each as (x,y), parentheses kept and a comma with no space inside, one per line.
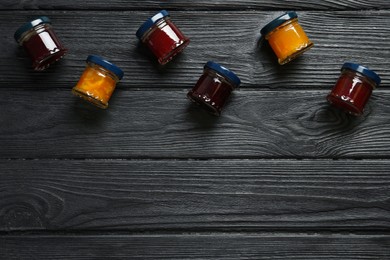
(280,175)
(199,246)
(226,195)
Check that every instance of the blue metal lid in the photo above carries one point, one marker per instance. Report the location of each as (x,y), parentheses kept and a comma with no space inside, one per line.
(150,22)
(224,72)
(277,22)
(106,64)
(28,26)
(363,70)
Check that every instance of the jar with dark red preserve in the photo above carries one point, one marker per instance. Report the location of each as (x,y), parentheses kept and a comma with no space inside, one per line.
(162,37)
(353,88)
(214,87)
(40,42)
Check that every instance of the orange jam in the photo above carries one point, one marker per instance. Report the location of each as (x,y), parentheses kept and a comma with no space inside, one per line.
(98,81)
(286,37)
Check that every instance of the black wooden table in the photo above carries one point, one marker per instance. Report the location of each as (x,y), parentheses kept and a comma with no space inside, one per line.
(280,175)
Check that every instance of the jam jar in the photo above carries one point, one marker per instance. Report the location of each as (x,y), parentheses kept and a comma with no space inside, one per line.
(214,87)
(353,88)
(40,42)
(162,37)
(286,37)
(98,81)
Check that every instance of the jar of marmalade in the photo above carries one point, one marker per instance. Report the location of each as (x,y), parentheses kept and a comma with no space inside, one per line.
(214,87)
(98,81)
(40,42)
(353,88)
(162,37)
(286,37)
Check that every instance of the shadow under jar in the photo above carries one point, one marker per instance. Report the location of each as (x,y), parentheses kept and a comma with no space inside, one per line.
(286,37)
(40,42)
(98,81)
(162,37)
(214,88)
(353,88)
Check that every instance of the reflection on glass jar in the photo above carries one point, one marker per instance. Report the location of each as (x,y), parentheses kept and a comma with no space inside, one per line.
(98,81)
(214,88)
(353,88)
(162,37)
(286,37)
(40,42)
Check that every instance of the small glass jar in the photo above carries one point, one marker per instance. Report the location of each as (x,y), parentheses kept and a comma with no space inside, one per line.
(286,37)
(214,87)
(162,37)
(40,42)
(98,81)
(353,88)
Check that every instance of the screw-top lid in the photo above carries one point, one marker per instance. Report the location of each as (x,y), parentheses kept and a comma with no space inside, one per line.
(363,70)
(233,78)
(150,22)
(28,26)
(277,22)
(106,64)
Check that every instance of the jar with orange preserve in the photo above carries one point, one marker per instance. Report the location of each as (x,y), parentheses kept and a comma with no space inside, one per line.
(286,37)
(353,88)
(214,87)
(40,42)
(162,37)
(98,81)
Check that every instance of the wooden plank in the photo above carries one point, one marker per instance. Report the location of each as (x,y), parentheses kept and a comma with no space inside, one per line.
(165,124)
(183,195)
(198,246)
(231,38)
(196,5)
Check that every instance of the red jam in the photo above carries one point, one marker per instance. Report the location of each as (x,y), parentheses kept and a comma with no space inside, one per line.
(40,42)
(162,37)
(353,89)
(214,88)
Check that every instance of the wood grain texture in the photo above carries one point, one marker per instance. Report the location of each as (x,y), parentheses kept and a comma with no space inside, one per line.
(155,177)
(230,38)
(164,124)
(208,246)
(196,5)
(224,195)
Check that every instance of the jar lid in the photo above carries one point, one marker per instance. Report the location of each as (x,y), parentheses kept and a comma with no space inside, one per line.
(277,22)
(106,64)
(224,72)
(363,70)
(28,26)
(150,22)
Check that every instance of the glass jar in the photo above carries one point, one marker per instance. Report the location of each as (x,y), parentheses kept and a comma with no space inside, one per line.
(286,37)
(40,42)
(353,88)
(98,81)
(162,37)
(214,87)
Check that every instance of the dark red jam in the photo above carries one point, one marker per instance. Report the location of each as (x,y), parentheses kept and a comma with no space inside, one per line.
(353,89)
(40,42)
(44,49)
(214,88)
(162,37)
